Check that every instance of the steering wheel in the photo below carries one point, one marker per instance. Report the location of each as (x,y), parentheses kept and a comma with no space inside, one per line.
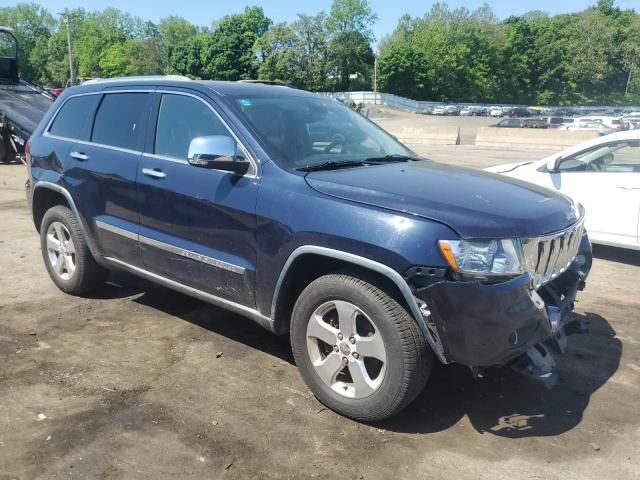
(336,140)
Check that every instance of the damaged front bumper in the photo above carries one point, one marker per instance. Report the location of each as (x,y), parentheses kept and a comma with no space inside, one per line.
(481,325)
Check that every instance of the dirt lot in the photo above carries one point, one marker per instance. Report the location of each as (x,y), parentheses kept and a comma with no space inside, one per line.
(141,382)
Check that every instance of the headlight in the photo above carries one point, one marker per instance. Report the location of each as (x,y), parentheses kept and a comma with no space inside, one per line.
(484,257)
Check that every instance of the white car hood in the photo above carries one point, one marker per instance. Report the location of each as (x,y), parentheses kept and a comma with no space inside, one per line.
(506,167)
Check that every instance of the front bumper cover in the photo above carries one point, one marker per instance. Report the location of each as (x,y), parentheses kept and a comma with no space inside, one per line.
(481,325)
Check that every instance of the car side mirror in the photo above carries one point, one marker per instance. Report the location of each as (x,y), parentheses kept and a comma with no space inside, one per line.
(552,164)
(217,152)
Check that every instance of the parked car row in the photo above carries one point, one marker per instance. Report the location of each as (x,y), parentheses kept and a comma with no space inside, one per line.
(604,125)
(625,117)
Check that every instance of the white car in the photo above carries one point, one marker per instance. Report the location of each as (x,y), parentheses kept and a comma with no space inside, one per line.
(439,110)
(615,123)
(496,111)
(601,128)
(603,175)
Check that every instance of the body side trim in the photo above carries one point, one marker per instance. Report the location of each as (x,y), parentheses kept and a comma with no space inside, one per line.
(183,252)
(118,231)
(243,310)
(388,272)
(192,255)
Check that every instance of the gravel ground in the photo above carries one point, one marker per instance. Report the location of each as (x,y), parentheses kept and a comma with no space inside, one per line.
(141,382)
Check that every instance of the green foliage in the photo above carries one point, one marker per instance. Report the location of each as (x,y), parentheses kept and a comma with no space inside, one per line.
(588,57)
(585,58)
(227,51)
(403,70)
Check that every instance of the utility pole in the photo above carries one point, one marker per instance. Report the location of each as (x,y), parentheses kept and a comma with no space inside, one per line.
(626,90)
(375,79)
(67,19)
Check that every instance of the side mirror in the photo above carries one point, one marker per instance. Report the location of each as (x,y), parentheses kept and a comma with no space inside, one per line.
(217,152)
(552,164)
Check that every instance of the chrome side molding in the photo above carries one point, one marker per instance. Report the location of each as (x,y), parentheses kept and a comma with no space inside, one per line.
(214,262)
(243,310)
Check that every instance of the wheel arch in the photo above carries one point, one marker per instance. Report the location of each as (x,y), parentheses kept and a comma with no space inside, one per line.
(308,262)
(47,195)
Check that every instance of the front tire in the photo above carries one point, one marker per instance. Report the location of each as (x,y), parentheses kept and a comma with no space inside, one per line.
(358,350)
(66,254)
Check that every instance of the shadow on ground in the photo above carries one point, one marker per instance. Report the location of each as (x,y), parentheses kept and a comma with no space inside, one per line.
(503,403)
(619,255)
(509,405)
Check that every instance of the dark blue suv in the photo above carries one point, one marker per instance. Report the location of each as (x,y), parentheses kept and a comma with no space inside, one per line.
(293,210)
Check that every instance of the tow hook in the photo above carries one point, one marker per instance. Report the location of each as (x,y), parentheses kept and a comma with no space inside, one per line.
(537,364)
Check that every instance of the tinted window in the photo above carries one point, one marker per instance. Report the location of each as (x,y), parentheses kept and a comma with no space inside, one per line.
(180,120)
(74,118)
(120,120)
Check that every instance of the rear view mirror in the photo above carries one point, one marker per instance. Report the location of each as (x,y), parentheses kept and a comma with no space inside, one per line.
(217,152)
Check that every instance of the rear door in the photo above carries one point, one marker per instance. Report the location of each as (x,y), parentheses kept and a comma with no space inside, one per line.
(197,225)
(105,169)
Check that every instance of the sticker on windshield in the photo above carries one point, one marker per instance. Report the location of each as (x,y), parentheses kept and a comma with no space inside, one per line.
(245,102)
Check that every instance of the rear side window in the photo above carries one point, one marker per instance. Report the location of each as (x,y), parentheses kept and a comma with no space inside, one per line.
(74,118)
(120,120)
(180,120)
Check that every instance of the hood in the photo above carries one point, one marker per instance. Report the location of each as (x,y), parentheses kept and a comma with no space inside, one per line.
(474,203)
(506,167)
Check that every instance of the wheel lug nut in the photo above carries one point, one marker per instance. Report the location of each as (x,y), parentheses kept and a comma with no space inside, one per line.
(345,360)
(335,348)
(356,355)
(352,340)
(340,337)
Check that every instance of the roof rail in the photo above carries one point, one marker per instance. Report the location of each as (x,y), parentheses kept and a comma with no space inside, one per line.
(137,79)
(276,83)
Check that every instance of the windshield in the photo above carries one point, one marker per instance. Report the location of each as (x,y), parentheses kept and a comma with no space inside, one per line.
(307,131)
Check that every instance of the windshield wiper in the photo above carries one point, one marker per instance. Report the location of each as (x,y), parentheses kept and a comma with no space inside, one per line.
(395,157)
(332,165)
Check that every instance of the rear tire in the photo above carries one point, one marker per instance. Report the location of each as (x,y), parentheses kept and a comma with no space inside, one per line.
(358,350)
(66,255)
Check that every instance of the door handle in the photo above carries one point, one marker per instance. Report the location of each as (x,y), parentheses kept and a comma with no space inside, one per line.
(83,157)
(153,173)
(629,188)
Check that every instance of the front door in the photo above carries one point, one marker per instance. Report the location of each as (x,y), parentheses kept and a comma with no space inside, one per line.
(197,225)
(606,181)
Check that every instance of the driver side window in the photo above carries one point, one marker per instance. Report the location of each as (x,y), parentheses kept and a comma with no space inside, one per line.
(181,119)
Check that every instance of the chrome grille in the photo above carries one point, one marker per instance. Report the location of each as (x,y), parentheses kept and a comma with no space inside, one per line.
(549,256)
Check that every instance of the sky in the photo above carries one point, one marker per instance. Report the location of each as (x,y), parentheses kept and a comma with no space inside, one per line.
(204,12)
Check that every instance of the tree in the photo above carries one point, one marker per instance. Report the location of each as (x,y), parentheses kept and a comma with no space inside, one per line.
(352,58)
(134,56)
(176,34)
(227,51)
(349,26)
(402,70)
(346,16)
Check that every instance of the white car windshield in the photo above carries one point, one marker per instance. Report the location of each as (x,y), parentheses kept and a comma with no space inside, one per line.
(613,157)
